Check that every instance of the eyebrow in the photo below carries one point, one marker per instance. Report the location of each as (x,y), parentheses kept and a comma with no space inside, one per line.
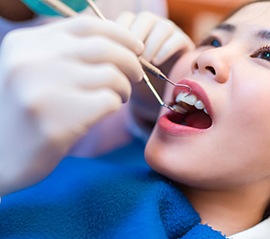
(226,27)
(263,34)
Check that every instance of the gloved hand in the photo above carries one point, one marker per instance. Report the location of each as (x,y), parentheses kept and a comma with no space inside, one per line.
(162,38)
(163,41)
(56,82)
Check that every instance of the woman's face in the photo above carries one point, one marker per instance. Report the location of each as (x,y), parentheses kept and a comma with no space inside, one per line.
(230,73)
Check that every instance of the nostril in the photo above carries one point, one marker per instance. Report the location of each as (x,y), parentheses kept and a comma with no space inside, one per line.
(211,69)
(196,67)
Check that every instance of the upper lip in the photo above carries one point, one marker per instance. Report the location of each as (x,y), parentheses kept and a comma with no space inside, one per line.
(196,90)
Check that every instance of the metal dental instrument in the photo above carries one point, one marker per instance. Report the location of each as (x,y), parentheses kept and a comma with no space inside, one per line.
(177,109)
(149,68)
(146,64)
(66,11)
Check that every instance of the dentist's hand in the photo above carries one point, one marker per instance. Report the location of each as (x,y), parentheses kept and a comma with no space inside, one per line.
(162,38)
(164,43)
(56,82)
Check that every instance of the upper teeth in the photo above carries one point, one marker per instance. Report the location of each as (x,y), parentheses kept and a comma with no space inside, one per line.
(190,99)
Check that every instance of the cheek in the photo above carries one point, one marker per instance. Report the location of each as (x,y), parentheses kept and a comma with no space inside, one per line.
(251,108)
(244,124)
(254,121)
(182,67)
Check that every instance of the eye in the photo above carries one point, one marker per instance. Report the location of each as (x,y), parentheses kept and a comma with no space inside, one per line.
(211,41)
(262,53)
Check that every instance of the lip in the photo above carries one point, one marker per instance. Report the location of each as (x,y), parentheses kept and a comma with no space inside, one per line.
(169,127)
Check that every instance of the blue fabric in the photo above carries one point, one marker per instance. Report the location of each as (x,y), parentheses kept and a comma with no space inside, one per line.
(115,196)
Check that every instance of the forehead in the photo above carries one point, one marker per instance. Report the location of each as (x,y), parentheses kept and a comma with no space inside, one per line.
(255,14)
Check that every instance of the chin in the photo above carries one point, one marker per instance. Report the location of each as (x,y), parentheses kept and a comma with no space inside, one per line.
(162,158)
(180,163)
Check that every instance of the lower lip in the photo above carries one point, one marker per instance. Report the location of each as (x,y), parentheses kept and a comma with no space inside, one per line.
(169,127)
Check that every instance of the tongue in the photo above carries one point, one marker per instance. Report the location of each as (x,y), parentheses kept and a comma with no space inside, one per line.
(198,120)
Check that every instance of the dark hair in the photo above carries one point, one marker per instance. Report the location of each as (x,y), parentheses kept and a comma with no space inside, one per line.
(267,213)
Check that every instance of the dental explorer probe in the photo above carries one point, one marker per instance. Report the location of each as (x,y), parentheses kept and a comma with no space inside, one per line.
(66,11)
(150,68)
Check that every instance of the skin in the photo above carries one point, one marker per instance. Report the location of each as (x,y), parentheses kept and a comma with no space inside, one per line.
(225,169)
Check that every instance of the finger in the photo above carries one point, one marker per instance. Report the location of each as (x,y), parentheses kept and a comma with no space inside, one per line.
(96,50)
(67,115)
(71,74)
(84,26)
(177,42)
(142,25)
(100,76)
(161,32)
(126,19)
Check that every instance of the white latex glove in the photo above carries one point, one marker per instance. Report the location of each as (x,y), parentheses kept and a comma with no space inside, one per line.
(161,36)
(162,39)
(56,82)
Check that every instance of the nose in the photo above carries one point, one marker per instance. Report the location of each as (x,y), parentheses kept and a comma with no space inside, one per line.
(212,63)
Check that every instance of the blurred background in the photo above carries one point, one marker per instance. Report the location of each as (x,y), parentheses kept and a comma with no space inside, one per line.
(197,17)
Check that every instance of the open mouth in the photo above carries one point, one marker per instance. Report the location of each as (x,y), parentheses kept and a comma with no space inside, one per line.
(195,116)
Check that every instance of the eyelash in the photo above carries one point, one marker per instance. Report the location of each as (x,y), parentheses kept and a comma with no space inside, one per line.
(211,41)
(263,53)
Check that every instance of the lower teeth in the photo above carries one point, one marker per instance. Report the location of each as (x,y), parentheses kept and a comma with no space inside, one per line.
(179,109)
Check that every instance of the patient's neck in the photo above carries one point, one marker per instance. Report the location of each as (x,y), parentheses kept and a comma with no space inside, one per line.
(231,210)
